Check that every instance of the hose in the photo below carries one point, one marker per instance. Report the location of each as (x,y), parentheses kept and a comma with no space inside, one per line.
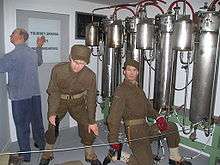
(212,5)
(123,7)
(151,4)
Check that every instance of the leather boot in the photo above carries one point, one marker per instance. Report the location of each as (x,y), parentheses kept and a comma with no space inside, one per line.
(91,157)
(11,159)
(96,162)
(90,154)
(181,162)
(47,156)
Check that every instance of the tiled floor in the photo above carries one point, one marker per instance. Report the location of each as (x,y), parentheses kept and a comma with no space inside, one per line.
(69,139)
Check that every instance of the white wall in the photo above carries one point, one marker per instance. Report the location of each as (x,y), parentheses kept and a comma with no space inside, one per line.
(4,133)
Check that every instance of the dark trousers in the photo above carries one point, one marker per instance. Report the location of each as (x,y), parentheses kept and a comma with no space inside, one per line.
(26,112)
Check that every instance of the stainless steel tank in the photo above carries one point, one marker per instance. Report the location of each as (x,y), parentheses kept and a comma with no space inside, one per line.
(115,34)
(131,50)
(145,34)
(111,66)
(92,35)
(182,35)
(165,65)
(205,69)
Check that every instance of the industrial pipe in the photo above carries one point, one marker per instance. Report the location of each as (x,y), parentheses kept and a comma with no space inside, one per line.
(139,4)
(114,6)
(184,1)
(123,7)
(150,4)
(186,67)
(212,5)
(155,1)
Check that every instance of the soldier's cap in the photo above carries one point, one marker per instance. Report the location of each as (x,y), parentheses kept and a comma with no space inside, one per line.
(80,52)
(131,62)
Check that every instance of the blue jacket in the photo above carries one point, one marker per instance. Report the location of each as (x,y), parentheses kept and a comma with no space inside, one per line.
(22,67)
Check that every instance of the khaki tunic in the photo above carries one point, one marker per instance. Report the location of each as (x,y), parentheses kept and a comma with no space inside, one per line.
(64,81)
(130,103)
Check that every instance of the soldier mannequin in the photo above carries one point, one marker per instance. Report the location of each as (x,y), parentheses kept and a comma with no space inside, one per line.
(72,88)
(130,104)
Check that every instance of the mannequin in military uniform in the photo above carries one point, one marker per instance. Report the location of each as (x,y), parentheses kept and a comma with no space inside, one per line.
(131,105)
(72,88)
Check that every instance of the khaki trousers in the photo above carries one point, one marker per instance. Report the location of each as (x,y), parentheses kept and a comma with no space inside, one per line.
(78,111)
(140,146)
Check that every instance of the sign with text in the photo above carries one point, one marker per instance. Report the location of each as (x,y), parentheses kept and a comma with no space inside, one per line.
(51,30)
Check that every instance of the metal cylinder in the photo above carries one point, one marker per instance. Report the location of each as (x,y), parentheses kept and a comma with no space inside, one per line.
(182,36)
(92,35)
(115,34)
(131,50)
(209,21)
(165,65)
(111,65)
(145,34)
(205,69)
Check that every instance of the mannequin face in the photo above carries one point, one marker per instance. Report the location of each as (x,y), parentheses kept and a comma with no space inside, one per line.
(77,65)
(131,73)
(16,38)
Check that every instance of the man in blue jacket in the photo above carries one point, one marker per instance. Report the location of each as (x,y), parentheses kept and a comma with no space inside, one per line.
(21,64)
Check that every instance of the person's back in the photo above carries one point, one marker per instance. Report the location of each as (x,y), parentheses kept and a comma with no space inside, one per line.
(23,75)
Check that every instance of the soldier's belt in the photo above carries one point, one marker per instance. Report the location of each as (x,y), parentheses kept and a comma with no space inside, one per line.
(72,97)
(135,122)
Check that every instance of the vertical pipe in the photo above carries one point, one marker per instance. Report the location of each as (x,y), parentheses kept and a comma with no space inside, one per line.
(149,75)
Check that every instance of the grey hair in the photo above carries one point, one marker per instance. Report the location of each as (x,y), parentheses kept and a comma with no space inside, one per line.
(23,33)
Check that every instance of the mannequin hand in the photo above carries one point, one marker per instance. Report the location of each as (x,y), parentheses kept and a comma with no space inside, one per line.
(40,41)
(52,120)
(93,128)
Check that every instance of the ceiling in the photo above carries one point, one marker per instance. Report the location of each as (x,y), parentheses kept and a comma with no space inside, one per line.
(112,2)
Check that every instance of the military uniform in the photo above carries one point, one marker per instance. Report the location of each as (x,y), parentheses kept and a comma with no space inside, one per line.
(130,104)
(72,89)
(74,93)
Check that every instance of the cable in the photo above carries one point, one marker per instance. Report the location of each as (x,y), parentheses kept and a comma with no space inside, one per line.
(206,144)
(200,153)
(145,58)
(177,117)
(179,89)
(123,7)
(150,65)
(151,4)
(95,145)
(186,67)
(212,5)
